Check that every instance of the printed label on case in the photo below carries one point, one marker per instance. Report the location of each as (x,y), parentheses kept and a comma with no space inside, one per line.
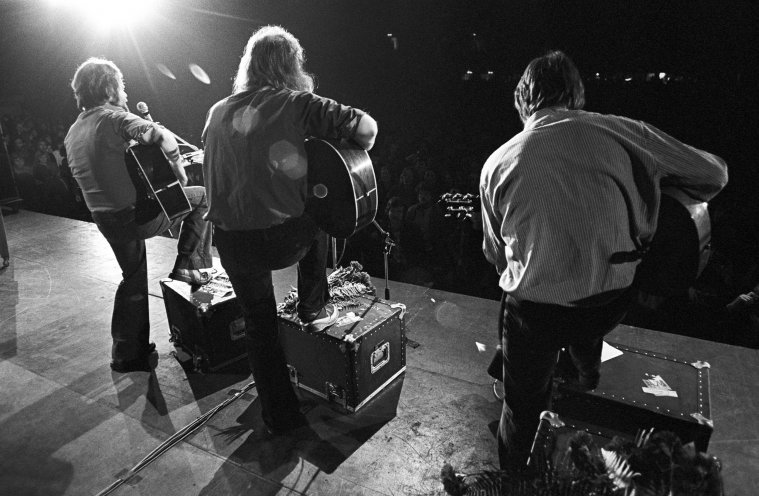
(237,329)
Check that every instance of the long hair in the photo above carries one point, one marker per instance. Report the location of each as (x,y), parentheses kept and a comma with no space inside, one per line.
(275,58)
(549,81)
(95,82)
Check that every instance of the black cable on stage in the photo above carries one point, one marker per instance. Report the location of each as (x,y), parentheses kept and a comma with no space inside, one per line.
(174,439)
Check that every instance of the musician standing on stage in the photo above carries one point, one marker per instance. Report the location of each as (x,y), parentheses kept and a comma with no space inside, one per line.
(567,202)
(95,145)
(255,170)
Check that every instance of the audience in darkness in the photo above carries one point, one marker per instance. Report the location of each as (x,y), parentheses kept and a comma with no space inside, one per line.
(435,250)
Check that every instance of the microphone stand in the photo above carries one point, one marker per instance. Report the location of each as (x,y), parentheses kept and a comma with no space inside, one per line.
(142,110)
(183,142)
(389,243)
(333,243)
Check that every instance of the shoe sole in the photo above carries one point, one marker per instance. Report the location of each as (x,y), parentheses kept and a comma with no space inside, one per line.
(205,278)
(320,326)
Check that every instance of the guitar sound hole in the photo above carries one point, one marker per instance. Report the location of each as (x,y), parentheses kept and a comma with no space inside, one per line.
(320,191)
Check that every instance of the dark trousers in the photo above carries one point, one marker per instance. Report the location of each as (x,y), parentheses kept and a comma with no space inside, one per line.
(533,333)
(130,324)
(4,253)
(249,258)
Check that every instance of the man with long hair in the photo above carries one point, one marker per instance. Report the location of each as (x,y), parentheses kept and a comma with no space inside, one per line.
(95,146)
(255,169)
(561,201)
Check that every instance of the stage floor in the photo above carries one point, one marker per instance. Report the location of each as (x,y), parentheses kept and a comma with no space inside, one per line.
(69,426)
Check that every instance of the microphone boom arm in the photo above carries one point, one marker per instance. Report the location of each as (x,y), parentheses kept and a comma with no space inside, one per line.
(182,141)
(144,111)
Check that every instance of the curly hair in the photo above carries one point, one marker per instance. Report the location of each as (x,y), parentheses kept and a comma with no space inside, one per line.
(549,81)
(95,82)
(275,58)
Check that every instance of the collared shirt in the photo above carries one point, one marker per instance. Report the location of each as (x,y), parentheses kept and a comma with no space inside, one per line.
(574,188)
(255,164)
(95,146)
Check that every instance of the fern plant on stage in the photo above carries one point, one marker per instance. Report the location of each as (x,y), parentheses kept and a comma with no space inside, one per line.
(345,284)
(655,464)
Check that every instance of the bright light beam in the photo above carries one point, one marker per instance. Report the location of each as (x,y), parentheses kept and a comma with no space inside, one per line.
(107,14)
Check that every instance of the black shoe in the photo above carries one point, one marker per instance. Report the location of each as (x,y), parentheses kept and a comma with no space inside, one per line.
(286,425)
(142,364)
(136,365)
(588,382)
(325,318)
(193,277)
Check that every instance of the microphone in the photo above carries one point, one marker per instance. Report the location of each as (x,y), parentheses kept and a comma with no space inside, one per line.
(142,108)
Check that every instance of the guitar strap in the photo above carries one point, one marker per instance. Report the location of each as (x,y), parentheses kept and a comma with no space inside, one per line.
(641,248)
(495,369)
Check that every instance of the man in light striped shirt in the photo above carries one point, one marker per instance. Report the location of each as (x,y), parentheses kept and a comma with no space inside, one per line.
(559,199)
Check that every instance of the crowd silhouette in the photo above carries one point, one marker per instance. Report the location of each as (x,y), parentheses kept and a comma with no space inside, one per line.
(38,161)
(432,246)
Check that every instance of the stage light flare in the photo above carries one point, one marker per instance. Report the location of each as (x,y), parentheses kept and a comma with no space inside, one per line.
(165,71)
(106,14)
(246,120)
(200,74)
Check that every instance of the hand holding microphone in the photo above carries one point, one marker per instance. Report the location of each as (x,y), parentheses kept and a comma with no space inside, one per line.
(142,109)
(169,145)
(144,112)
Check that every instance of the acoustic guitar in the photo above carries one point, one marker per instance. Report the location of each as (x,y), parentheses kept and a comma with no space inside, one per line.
(342,188)
(673,260)
(680,248)
(157,187)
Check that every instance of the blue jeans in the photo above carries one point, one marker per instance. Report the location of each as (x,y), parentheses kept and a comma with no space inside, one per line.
(533,333)
(249,258)
(130,324)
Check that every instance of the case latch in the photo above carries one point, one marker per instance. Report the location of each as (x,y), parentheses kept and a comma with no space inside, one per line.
(380,356)
(237,329)
(553,419)
(702,420)
(335,393)
(293,375)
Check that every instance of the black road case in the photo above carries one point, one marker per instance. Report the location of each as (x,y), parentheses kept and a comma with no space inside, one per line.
(353,360)
(621,403)
(206,324)
(550,449)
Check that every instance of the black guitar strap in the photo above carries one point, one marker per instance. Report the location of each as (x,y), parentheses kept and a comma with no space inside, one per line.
(495,369)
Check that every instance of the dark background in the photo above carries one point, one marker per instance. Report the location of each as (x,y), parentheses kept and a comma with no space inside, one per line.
(708,49)
(686,66)
(416,90)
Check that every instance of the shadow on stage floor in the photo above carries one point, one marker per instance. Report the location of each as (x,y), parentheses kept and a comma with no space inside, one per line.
(69,425)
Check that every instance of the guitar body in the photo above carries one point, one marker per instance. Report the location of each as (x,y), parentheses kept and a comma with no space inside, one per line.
(342,188)
(677,254)
(680,248)
(155,182)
